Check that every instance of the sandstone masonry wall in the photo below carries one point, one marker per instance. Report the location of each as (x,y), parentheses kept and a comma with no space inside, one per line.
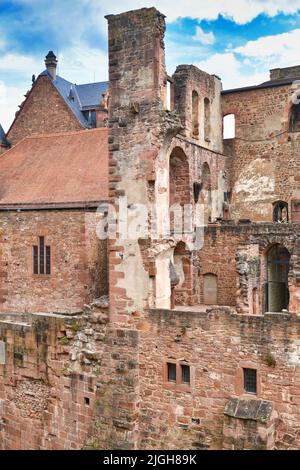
(44,112)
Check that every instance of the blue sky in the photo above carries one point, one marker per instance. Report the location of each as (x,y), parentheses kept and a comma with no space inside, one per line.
(238,40)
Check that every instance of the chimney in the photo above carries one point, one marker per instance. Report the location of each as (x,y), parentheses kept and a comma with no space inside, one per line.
(291,73)
(51,63)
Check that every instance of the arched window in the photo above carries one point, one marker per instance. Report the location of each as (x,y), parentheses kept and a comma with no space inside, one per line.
(277,291)
(195,114)
(207,120)
(281,212)
(294,124)
(255,301)
(210,289)
(206,192)
(179,189)
(229,126)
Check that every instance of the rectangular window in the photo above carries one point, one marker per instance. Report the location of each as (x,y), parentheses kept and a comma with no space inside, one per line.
(250,381)
(42,255)
(35,260)
(185,374)
(171,372)
(41,258)
(48,260)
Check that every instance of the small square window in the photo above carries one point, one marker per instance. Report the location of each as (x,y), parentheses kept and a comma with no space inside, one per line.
(86,401)
(185,374)
(250,381)
(171,372)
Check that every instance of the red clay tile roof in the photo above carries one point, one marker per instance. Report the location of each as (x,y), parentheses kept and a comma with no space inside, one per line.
(56,168)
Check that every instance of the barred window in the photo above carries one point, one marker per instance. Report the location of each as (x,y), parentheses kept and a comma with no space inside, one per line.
(250,381)
(41,258)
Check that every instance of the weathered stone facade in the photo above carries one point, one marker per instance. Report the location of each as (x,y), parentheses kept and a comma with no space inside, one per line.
(43,112)
(194,347)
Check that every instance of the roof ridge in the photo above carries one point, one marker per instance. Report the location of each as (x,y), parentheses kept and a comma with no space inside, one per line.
(90,83)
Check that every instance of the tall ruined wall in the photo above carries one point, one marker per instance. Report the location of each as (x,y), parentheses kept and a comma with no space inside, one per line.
(189,79)
(263,158)
(217,345)
(78,261)
(43,112)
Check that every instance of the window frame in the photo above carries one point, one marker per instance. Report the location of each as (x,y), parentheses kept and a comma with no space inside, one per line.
(178,384)
(239,379)
(41,258)
(248,379)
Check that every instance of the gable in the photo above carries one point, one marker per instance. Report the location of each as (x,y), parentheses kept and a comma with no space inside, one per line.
(44,111)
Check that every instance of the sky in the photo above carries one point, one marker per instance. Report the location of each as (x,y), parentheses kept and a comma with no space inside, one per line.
(238,40)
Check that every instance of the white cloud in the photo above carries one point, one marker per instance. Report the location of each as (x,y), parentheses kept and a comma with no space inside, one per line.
(18,63)
(273,51)
(10,98)
(204,38)
(241,11)
(83,64)
(230,70)
(70,13)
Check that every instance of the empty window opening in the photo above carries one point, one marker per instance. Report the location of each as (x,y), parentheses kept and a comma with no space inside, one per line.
(229,126)
(171,372)
(255,301)
(86,401)
(196,190)
(250,381)
(294,124)
(170,94)
(277,290)
(185,374)
(179,189)
(205,198)
(210,289)
(207,127)
(281,212)
(41,258)
(181,280)
(195,114)
(18,357)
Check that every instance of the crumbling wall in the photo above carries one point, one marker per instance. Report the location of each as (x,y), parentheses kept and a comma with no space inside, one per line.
(236,254)
(188,78)
(258,156)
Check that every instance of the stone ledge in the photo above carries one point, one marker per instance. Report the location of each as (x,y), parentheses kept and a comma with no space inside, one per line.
(253,409)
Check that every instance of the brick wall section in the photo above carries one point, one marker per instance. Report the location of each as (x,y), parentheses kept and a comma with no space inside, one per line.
(216,344)
(66,382)
(263,168)
(76,258)
(43,112)
(226,245)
